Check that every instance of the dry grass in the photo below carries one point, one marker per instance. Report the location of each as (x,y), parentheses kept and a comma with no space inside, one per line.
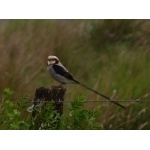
(110,56)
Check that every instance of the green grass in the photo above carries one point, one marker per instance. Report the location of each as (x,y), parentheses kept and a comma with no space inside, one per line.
(46,117)
(111,56)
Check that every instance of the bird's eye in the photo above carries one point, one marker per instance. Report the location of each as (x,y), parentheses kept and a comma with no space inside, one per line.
(52,59)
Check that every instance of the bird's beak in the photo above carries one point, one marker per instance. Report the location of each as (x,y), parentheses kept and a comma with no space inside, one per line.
(48,63)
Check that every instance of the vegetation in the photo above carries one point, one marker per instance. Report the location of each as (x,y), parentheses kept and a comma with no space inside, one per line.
(47,117)
(110,56)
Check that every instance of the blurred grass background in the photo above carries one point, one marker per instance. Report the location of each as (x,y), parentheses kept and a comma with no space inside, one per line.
(110,56)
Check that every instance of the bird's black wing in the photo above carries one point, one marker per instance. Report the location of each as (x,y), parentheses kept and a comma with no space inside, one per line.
(61,71)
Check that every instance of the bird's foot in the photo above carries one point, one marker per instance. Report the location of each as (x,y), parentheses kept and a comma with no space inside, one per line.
(61,84)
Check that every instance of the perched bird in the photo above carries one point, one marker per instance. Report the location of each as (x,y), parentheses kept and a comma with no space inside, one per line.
(62,75)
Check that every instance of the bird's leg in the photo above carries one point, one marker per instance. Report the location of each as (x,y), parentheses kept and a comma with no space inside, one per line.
(61,84)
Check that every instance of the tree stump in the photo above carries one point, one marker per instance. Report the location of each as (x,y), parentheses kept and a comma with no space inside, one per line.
(44,96)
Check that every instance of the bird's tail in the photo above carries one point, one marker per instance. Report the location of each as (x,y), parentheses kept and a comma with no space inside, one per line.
(106,97)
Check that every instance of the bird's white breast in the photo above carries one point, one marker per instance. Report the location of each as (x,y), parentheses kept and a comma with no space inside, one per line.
(58,77)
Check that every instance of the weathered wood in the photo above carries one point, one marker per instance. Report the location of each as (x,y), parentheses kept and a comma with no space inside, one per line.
(44,95)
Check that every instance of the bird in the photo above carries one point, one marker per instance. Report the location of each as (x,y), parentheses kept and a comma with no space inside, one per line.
(59,73)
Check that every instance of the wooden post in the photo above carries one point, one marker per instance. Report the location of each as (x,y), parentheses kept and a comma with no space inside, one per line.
(45,95)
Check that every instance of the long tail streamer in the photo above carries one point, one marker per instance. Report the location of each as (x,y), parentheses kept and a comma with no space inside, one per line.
(106,97)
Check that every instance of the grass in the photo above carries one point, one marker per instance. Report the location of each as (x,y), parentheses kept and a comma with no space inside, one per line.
(111,56)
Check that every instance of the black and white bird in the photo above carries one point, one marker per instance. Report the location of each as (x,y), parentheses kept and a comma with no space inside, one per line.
(62,75)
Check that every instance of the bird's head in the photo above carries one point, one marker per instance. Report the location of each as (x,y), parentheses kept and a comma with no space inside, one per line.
(52,60)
